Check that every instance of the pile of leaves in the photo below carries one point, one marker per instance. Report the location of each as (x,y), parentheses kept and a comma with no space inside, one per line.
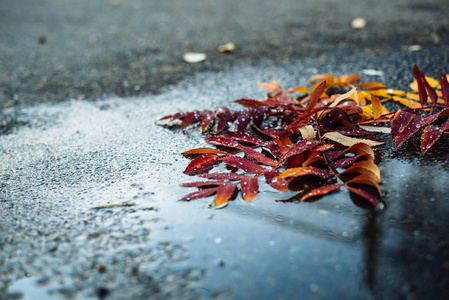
(322,134)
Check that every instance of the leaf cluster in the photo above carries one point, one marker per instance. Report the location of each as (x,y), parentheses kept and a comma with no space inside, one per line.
(323,132)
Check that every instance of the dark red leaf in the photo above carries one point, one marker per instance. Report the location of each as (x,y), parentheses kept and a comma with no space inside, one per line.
(201,163)
(421,88)
(259,115)
(279,184)
(324,190)
(357,149)
(206,121)
(344,162)
(365,195)
(200,183)
(249,187)
(274,149)
(241,137)
(268,131)
(224,193)
(199,194)
(244,119)
(203,151)
(302,146)
(259,157)
(243,164)
(353,131)
(444,88)
(431,134)
(400,122)
(221,141)
(223,176)
(415,124)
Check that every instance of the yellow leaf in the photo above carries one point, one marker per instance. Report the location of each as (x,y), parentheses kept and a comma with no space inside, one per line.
(407,102)
(349,141)
(300,89)
(376,106)
(432,82)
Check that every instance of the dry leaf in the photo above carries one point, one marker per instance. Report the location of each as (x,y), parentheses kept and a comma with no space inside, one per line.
(349,141)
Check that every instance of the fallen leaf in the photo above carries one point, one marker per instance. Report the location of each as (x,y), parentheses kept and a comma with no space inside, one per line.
(321,191)
(224,193)
(201,163)
(349,141)
(250,187)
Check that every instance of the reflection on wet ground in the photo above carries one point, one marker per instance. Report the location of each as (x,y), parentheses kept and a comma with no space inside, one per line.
(80,155)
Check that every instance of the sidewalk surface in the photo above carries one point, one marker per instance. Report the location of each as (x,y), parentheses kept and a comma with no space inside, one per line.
(82,84)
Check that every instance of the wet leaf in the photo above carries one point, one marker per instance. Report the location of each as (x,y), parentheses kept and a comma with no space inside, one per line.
(272,86)
(203,151)
(431,134)
(222,141)
(421,88)
(349,141)
(201,163)
(365,195)
(259,157)
(199,194)
(250,187)
(272,179)
(413,126)
(244,119)
(375,129)
(241,137)
(200,183)
(300,89)
(251,103)
(307,132)
(224,193)
(301,171)
(222,176)
(400,122)
(344,162)
(321,191)
(343,97)
(243,164)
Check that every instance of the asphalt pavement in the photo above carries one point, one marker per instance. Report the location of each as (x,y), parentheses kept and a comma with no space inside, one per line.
(89,183)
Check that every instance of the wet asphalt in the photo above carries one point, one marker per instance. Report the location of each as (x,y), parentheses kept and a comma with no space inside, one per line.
(81,86)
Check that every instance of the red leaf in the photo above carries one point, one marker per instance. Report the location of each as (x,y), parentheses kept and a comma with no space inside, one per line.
(201,163)
(241,137)
(227,119)
(365,195)
(224,193)
(344,162)
(268,131)
(244,119)
(315,96)
(324,190)
(249,103)
(206,121)
(415,124)
(400,122)
(444,88)
(223,176)
(250,187)
(421,88)
(243,164)
(431,134)
(221,141)
(259,157)
(192,117)
(302,146)
(279,184)
(200,183)
(353,131)
(199,194)
(259,115)
(357,149)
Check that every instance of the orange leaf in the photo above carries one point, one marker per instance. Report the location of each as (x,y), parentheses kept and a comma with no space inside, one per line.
(203,151)
(377,107)
(250,187)
(314,97)
(300,89)
(348,78)
(301,171)
(366,179)
(321,191)
(365,166)
(224,193)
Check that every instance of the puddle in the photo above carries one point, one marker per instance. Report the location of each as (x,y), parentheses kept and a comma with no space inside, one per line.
(80,155)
